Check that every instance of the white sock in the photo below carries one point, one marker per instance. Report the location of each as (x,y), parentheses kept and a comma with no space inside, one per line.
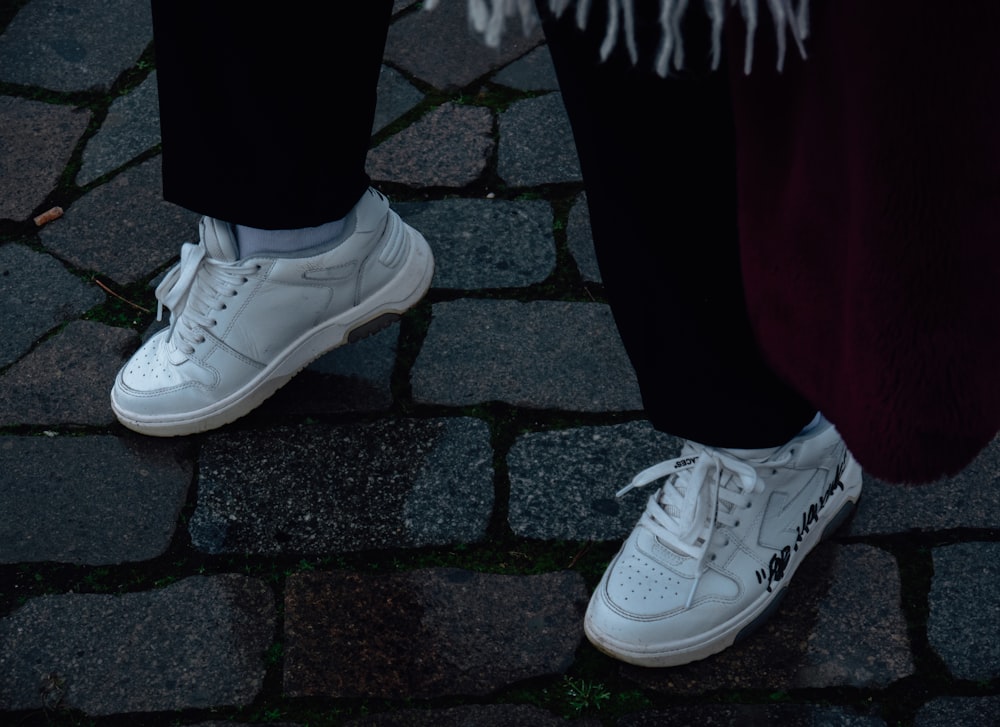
(255,241)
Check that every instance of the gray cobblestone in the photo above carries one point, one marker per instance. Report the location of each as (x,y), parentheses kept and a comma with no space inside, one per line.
(486,243)
(94,499)
(37,141)
(563,482)
(536,143)
(448,147)
(952,711)
(36,295)
(55,383)
(430,632)
(969,499)
(123,228)
(319,489)
(197,643)
(74,47)
(131,127)
(964,621)
(547,355)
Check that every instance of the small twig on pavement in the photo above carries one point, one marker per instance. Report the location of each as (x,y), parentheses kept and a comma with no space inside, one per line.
(126,300)
(576,558)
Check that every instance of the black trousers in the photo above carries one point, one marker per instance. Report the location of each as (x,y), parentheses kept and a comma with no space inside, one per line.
(659,167)
(266,113)
(248,137)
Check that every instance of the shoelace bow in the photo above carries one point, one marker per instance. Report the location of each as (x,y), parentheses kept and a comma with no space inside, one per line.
(696,496)
(192,290)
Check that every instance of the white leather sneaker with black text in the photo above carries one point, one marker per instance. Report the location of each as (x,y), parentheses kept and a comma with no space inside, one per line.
(241,328)
(717,544)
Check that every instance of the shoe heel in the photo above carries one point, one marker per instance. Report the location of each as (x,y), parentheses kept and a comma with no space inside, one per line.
(839,519)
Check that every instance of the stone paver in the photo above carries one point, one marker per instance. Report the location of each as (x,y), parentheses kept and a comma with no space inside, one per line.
(74,46)
(486,243)
(36,141)
(488,715)
(531,72)
(592,463)
(428,633)
(448,55)
(396,96)
(93,499)
(969,499)
(123,228)
(785,715)
(316,489)
(37,294)
(536,143)
(581,241)
(54,384)
(449,147)
(131,127)
(544,354)
(863,598)
(965,606)
(197,643)
(951,711)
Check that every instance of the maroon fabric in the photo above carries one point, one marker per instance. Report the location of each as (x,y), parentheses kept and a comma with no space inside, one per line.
(869,194)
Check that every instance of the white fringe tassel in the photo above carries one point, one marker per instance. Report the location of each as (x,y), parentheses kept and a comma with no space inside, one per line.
(488,19)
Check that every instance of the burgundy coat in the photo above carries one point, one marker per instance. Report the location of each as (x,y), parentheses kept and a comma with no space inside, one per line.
(870,224)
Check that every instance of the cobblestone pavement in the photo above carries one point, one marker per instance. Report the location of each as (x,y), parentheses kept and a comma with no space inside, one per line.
(408,532)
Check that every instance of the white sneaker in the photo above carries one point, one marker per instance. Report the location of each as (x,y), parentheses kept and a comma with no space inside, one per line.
(717,545)
(240,329)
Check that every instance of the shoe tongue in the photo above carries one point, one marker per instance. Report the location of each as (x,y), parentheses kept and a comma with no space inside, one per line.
(681,482)
(219,239)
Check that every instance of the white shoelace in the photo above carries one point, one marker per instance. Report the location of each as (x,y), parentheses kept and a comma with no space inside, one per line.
(193,290)
(696,496)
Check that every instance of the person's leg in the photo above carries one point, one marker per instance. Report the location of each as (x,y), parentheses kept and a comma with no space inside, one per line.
(659,168)
(266,119)
(757,484)
(266,113)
